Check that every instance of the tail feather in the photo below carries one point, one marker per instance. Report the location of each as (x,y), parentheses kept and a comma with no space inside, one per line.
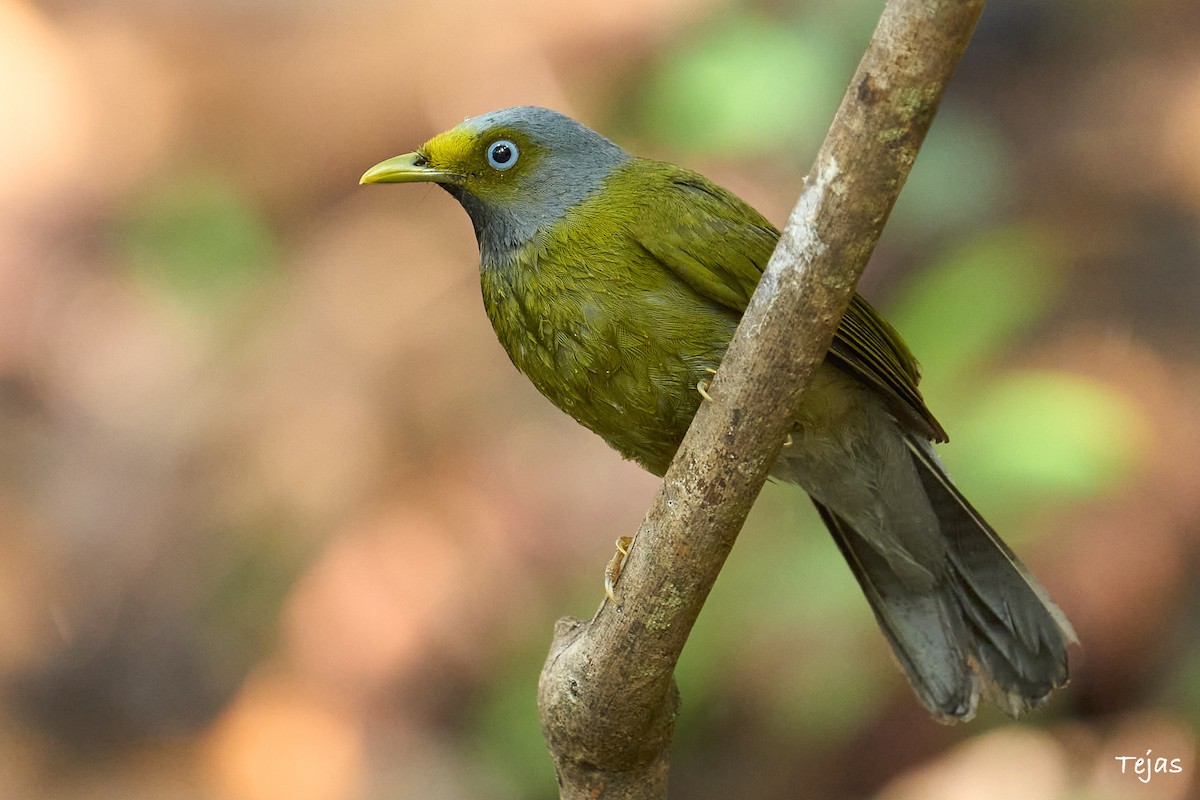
(985,625)
(926,633)
(1021,635)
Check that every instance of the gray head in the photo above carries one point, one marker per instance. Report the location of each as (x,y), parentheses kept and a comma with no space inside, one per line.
(515,171)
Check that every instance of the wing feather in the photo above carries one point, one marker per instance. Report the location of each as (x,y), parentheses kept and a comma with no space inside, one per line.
(719,245)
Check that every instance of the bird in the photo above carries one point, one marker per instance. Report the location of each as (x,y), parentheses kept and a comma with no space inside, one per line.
(615,283)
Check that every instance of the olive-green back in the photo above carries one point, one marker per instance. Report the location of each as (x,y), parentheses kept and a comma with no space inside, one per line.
(719,245)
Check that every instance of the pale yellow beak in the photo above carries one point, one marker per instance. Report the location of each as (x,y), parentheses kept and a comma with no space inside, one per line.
(408,168)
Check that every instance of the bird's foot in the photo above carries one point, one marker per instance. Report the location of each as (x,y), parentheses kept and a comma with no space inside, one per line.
(613,570)
(702,384)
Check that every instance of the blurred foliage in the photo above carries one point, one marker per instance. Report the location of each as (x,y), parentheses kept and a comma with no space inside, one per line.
(1050,435)
(965,306)
(430,516)
(748,81)
(1029,434)
(195,239)
(745,85)
(506,735)
(962,178)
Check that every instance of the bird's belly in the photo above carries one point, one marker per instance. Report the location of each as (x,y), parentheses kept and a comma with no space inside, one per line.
(615,366)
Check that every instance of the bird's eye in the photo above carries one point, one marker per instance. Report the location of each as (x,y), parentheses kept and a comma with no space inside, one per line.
(502,154)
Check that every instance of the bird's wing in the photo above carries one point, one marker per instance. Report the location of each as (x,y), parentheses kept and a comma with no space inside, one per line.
(707,236)
(868,346)
(719,246)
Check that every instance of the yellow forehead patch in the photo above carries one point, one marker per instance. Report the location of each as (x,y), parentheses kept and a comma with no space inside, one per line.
(452,149)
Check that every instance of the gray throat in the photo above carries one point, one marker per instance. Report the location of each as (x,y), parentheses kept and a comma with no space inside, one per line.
(498,232)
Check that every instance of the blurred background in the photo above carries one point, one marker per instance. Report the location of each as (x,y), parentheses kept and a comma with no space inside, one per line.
(278,519)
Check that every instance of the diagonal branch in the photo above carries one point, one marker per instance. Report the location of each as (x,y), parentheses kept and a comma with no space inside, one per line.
(607,694)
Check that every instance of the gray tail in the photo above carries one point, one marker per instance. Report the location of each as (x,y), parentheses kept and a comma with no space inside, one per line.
(986,624)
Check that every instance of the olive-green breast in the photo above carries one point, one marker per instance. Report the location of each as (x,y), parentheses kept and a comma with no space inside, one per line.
(602,328)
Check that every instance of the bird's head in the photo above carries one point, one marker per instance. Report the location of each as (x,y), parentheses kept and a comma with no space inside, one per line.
(515,171)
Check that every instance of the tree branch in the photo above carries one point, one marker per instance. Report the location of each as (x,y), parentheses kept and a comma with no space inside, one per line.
(607,695)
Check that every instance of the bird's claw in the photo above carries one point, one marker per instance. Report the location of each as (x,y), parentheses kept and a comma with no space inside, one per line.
(613,570)
(702,384)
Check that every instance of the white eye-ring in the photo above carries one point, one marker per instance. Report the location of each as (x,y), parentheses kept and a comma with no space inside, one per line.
(502,154)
